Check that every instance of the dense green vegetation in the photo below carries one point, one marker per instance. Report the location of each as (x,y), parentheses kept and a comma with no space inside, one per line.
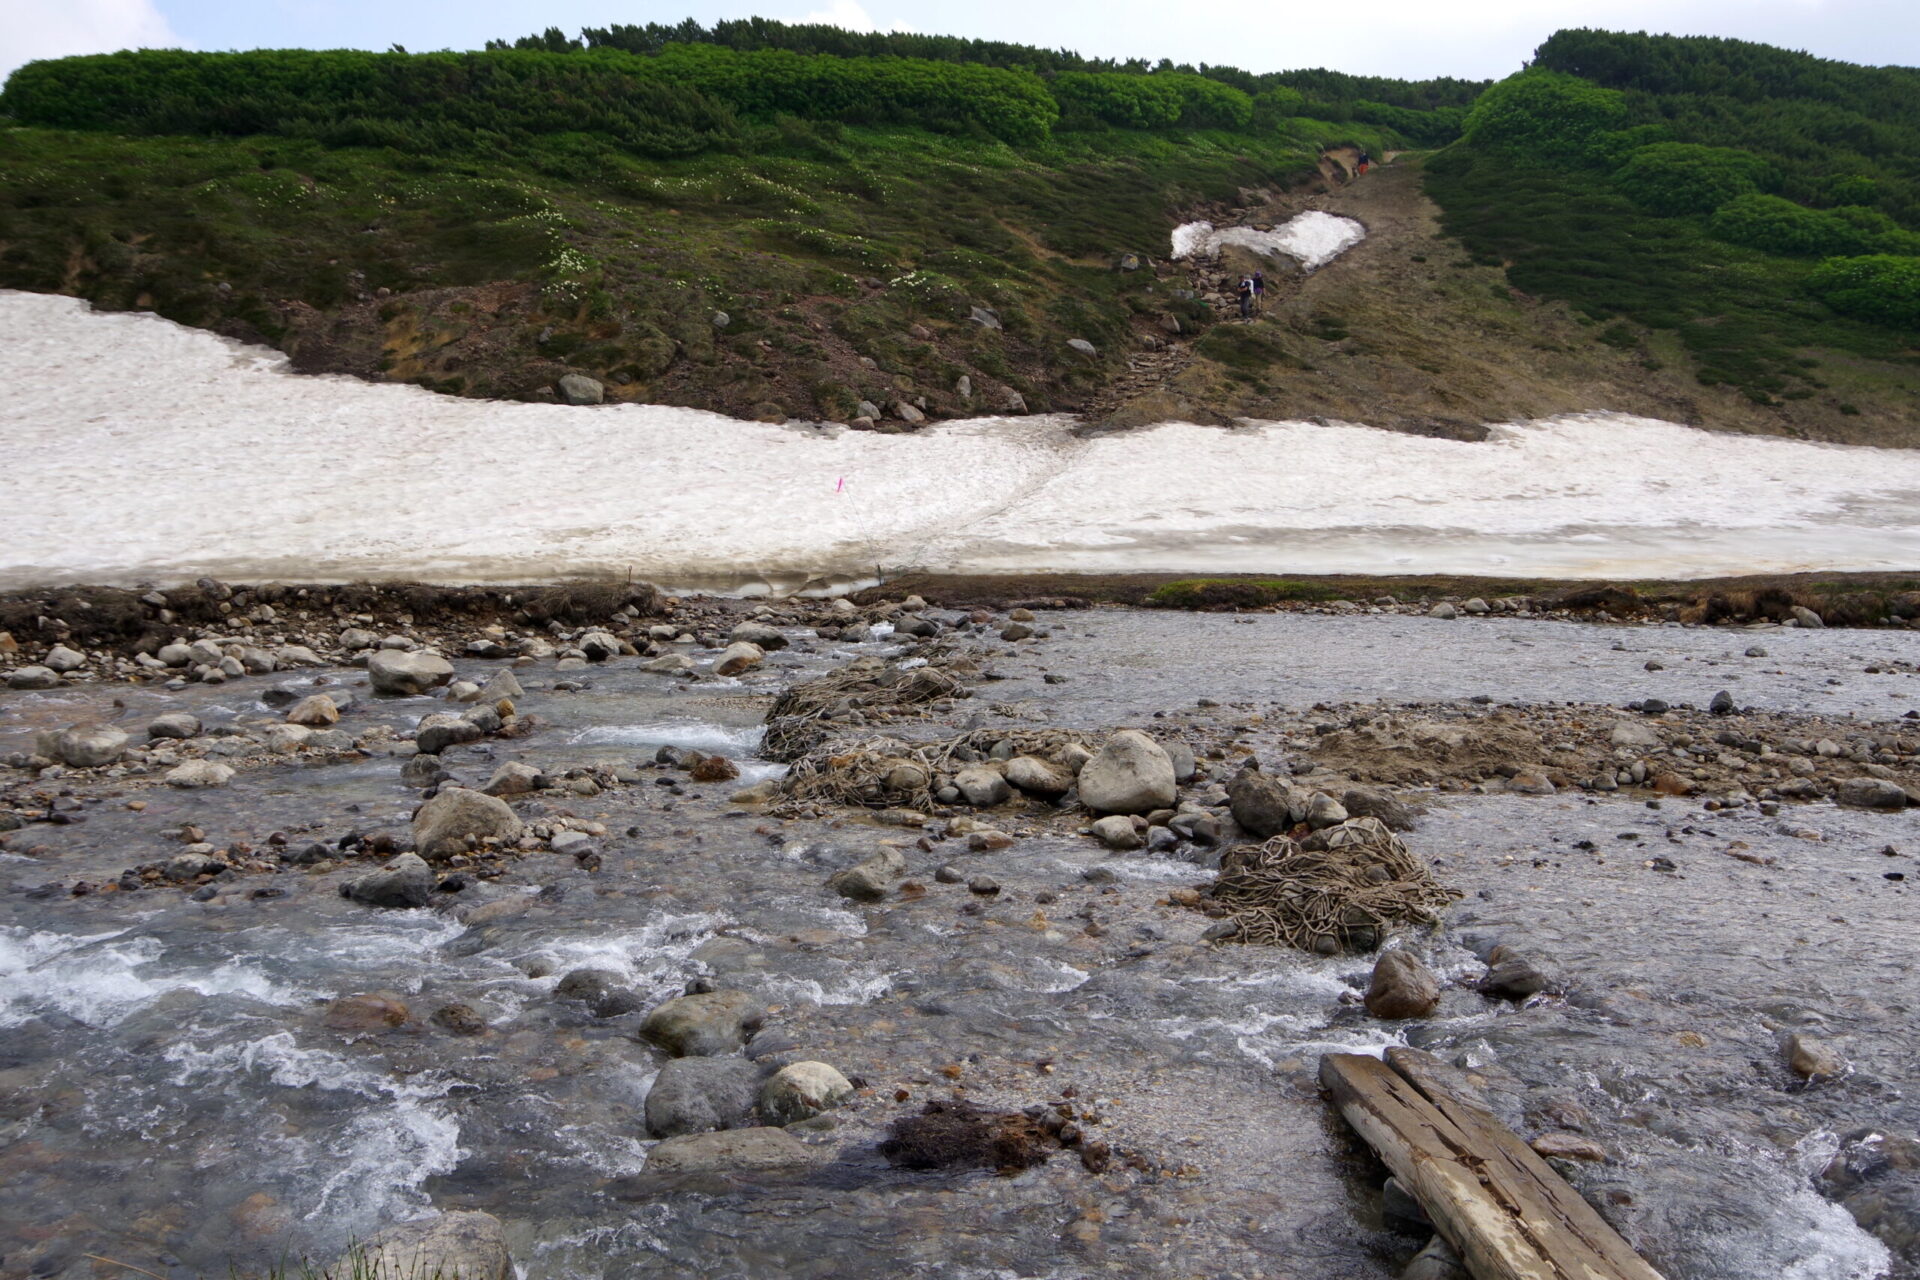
(1694,186)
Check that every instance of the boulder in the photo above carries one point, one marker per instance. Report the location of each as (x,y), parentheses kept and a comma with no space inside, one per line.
(406,881)
(1444,611)
(1037,777)
(707,1024)
(871,879)
(802,1090)
(195,774)
(501,685)
(728,1150)
(407,674)
(1184,765)
(1402,987)
(297,655)
(578,388)
(62,659)
(1870,793)
(700,1095)
(1129,774)
(1514,976)
(443,824)
(1812,1058)
(1806,617)
(286,738)
(982,786)
(514,778)
(441,730)
(174,724)
(1264,806)
(1083,347)
(82,746)
(758,633)
(1116,831)
(33,678)
(1365,802)
(736,658)
(469,1246)
(604,992)
(1324,811)
(1633,734)
(316,711)
(598,646)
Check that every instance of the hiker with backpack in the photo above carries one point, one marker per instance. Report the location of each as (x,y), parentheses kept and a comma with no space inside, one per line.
(1259,292)
(1246,297)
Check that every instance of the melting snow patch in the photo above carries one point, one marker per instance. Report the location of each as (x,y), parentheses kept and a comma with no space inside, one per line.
(1313,238)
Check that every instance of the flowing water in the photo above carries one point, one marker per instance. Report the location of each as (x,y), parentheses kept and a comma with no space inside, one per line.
(174,1093)
(141,450)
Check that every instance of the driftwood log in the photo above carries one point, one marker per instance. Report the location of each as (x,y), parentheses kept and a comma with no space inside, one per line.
(1503,1209)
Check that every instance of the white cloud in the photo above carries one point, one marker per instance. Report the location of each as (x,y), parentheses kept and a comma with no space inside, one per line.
(850,15)
(60,28)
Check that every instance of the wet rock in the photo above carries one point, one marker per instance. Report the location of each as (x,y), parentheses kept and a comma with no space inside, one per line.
(470,1246)
(199,773)
(575,843)
(726,1150)
(63,660)
(1437,1261)
(1806,617)
(1568,1146)
(1513,976)
(186,866)
(947,873)
(704,1025)
(1324,811)
(315,711)
(34,677)
(985,886)
(1722,704)
(441,730)
(982,786)
(423,771)
(603,991)
(501,685)
(713,769)
(174,724)
(1037,777)
(286,738)
(1402,987)
(1633,734)
(700,1095)
(1870,793)
(577,388)
(1264,806)
(802,1090)
(406,881)
(444,824)
(599,646)
(737,658)
(1444,611)
(1184,765)
(461,1019)
(407,674)
(1813,1059)
(871,879)
(758,633)
(668,664)
(513,779)
(82,746)
(1364,802)
(1116,831)
(366,1013)
(1401,1209)
(1528,783)
(1129,774)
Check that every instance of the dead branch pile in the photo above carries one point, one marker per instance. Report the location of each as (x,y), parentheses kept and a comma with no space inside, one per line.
(1342,889)
(861,692)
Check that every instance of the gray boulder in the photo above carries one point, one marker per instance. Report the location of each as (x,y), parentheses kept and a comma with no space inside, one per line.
(174,724)
(699,1095)
(1402,987)
(578,388)
(982,786)
(82,746)
(768,638)
(406,881)
(1129,774)
(1084,347)
(1037,777)
(62,659)
(1116,831)
(315,711)
(197,774)
(439,731)
(736,658)
(707,1024)
(1264,806)
(727,1150)
(801,1091)
(514,778)
(453,1246)
(871,879)
(33,678)
(1871,793)
(403,674)
(499,685)
(599,646)
(604,992)
(443,824)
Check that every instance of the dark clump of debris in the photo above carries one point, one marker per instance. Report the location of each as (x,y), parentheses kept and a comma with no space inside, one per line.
(959,1135)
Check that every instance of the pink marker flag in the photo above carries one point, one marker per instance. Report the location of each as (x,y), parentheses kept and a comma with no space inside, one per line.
(841,487)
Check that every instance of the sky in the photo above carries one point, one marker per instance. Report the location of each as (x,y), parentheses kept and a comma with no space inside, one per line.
(1415,39)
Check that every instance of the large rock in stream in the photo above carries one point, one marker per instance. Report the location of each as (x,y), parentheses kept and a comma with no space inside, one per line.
(82,746)
(1129,774)
(1263,805)
(453,1246)
(443,824)
(407,674)
(406,881)
(698,1095)
(706,1024)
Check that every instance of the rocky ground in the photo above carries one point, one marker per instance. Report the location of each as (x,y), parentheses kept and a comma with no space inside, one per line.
(221,750)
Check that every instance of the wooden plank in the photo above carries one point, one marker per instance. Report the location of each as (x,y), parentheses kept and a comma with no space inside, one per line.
(1505,1212)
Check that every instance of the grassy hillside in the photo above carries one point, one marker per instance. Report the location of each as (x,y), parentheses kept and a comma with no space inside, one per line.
(789,220)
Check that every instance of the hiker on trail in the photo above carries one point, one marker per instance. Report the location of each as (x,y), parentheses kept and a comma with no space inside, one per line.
(1259,292)
(1246,297)
(1365,160)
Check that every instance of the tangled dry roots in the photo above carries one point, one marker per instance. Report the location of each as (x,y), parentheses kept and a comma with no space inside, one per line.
(799,718)
(888,773)
(959,1135)
(1342,889)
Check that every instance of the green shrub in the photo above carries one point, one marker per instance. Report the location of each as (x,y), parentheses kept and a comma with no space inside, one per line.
(1852,188)
(1674,178)
(1774,225)
(1552,117)
(1883,288)
(1090,99)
